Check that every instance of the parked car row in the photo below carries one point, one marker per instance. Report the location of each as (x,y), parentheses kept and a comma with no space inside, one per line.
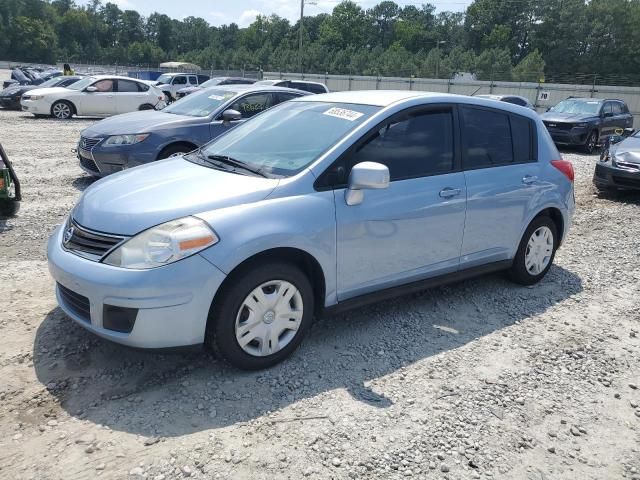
(11,96)
(30,76)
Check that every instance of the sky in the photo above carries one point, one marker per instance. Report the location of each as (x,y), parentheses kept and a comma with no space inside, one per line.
(243,12)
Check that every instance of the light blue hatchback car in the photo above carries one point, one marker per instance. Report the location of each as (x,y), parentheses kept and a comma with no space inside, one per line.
(318,204)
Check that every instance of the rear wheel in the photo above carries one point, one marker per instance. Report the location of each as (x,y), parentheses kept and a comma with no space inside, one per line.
(536,252)
(167,98)
(592,142)
(62,110)
(146,106)
(261,316)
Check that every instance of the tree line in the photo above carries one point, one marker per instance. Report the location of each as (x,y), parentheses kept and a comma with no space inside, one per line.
(521,40)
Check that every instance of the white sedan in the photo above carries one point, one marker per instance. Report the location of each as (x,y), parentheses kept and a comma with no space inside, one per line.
(98,95)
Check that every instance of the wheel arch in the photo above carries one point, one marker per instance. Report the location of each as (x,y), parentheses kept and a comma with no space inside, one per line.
(302,259)
(556,216)
(74,109)
(190,145)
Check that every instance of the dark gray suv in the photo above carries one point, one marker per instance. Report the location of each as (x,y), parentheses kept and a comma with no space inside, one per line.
(585,121)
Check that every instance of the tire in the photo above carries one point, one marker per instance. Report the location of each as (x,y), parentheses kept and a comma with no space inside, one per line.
(591,143)
(231,313)
(174,151)
(8,208)
(522,270)
(167,98)
(62,110)
(146,106)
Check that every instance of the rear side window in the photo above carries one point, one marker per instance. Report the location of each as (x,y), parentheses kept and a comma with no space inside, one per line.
(414,145)
(127,86)
(283,97)
(492,138)
(193,80)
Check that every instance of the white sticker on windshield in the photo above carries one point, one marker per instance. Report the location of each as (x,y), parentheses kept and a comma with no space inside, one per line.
(344,113)
(216,97)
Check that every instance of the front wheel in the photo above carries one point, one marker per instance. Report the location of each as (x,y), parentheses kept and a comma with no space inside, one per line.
(592,142)
(536,252)
(62,110)
(261,316)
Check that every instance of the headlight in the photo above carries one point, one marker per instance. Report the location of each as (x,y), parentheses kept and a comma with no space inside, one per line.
(163,244)
(115,140)
(35,97)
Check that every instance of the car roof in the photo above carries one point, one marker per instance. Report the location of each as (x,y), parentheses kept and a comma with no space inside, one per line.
(113,77)
(246,87)
(379,98)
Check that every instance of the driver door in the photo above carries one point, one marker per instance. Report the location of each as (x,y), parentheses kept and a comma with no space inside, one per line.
(413,229)
(101,102)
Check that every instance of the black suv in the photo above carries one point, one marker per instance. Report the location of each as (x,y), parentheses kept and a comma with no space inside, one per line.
(584,121)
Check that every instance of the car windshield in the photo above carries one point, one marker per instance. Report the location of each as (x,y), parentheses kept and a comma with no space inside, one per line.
(287,138)
(163,79)
(200,104)
(584,107)
(52,82)
(82,84)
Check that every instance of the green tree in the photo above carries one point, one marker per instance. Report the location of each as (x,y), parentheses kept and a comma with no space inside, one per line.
(530,69)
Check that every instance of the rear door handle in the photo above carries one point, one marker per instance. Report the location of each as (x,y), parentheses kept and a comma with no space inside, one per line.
(449,192)
(529,179)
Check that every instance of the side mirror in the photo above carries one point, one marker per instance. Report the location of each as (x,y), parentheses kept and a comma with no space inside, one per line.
(231,116)
(627,132)
(607,114)
(91,89)
(365,176)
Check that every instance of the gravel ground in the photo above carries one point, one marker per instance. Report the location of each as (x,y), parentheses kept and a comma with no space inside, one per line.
(481,379)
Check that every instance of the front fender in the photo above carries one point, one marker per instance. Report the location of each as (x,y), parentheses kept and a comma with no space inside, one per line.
(305,222)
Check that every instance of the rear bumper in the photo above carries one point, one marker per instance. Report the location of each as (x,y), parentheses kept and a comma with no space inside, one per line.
(608,176)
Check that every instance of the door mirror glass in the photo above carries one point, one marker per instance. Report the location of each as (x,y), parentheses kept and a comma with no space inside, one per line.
(365,176)
(91,89)
(231,116)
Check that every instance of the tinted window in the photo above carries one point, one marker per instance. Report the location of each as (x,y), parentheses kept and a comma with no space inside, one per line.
(180,80)
(193,80)
(143,87)
(253,104)
(127,86)
(104,85)
(486,139)
(607,109)
(515,101)
(283,97)
(617,108)
(521,131)
(414,145)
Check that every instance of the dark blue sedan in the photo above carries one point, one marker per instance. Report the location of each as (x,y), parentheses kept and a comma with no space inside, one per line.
(136,138)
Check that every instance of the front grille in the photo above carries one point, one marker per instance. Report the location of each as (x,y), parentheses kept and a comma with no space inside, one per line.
(628,166)
(89,164)
(87,243)
(558,126)
(88,143)
(75,302)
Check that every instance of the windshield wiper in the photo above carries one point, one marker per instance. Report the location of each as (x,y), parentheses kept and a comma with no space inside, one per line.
(237,164)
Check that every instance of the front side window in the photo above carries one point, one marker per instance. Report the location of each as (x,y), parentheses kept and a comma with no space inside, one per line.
(82,84)
(104,86)
(180,80)
(607,109)
(252,104)
(287,138)
(617,108)
(413,145)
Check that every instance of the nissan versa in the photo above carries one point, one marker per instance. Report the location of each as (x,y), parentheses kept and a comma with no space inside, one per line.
(320,203)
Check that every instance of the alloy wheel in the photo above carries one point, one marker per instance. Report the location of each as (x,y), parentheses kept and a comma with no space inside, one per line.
(61,111)
(269,318)
(539,251)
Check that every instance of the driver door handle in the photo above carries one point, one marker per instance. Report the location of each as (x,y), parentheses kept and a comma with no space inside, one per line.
(449,192)
(529,179)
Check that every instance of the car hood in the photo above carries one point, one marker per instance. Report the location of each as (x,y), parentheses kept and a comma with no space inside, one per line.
(145,121)
(628,150)
(189,89)
(48,91)
(131,201)
(566,117)
(12,90)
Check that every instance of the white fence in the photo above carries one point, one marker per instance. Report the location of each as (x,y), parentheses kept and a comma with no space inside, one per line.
(542,95)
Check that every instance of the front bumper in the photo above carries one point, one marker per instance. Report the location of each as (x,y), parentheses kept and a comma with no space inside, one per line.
(607,175)
(575,136)
(172,302)
(37,107)
(11,102)
(101,161)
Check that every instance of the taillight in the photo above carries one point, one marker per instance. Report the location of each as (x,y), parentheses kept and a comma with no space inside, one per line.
(565,167)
